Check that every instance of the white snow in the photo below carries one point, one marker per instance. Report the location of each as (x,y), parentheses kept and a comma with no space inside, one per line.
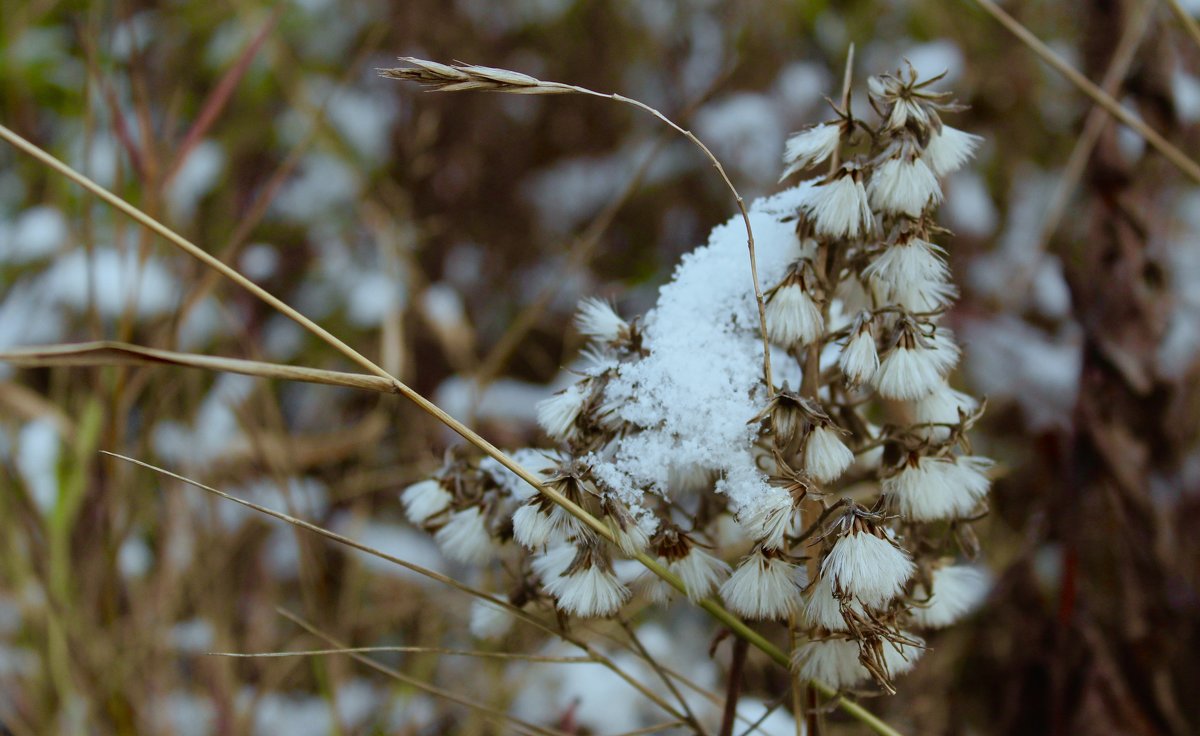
(39,450)
(692,397)
(37,233)
(196,178)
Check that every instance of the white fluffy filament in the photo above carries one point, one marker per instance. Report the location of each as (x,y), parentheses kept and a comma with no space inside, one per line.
(868,567)
(763,587)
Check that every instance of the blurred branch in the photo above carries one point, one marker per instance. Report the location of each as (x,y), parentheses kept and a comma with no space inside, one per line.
(1081,153)
(219,97)
(1186,20)
(1089,88)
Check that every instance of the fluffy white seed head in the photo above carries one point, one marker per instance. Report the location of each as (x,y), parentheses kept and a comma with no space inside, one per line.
(944,351)
(868,567)
(826,457)
(597,319)
(792,316)
(957,590)
(831,661)
(764,587)
(942,406)
(949,149)
(859,360)
(653,588)
(629,535)
(933,488)
(973,474)
(533,528)
(904,186)
(822,609)
(424,500)
(554,561)
(840,208)
(557,415)
(928,489)
(915,367)
(910,274)
(767,519)
(699,571)
(488,620)
(810,147)
(589,590)
(903,110)
(465,537)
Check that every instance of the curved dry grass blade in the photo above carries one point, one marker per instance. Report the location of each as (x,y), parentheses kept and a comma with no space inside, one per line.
(105,353)
(401,649)
(421,684)
(464,77)
(713,608)
(1089,88)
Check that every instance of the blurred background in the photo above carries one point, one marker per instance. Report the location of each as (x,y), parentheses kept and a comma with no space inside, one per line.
(449,238)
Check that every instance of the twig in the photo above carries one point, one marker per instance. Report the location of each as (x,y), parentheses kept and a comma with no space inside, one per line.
(729,716)
(118,353)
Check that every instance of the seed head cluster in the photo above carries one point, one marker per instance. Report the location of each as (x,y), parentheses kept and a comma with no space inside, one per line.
(839,498)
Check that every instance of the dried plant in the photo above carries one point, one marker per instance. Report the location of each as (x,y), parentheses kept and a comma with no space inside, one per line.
(687,455)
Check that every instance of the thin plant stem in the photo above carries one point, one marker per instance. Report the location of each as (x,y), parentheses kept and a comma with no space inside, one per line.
(716,610)
(1089,88)
(402,649)
(734,692)
(420,684)
(516,612)
(662,675)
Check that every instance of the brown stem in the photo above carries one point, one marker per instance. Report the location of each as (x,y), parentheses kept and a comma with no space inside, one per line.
(734,690)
